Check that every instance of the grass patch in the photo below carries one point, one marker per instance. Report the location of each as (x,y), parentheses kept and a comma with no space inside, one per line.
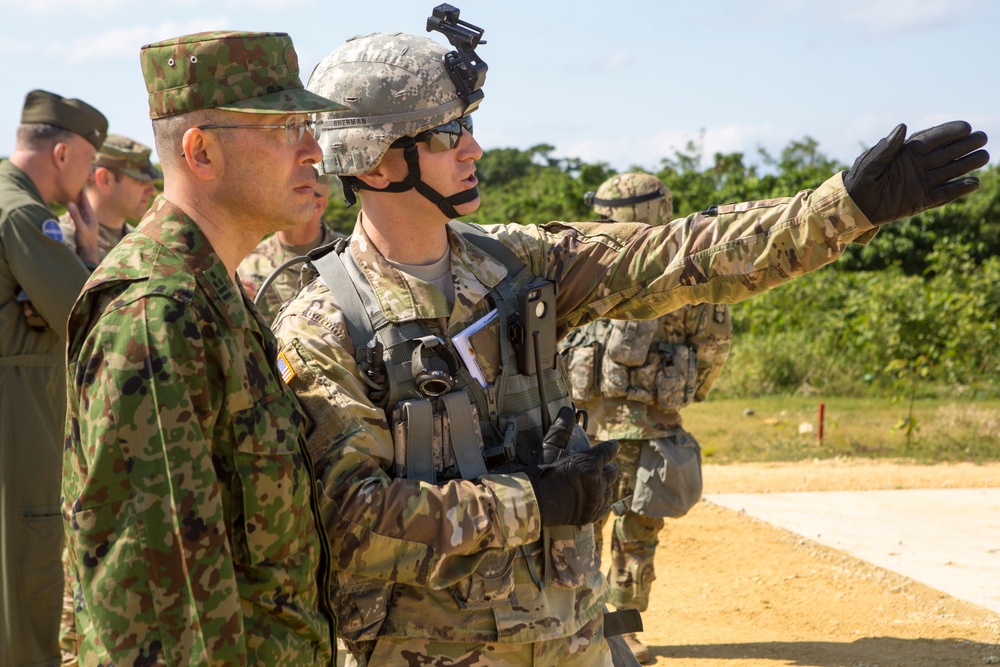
(784,428)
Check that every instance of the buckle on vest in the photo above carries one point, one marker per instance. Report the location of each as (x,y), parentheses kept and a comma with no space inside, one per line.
(433,382)
(509,441)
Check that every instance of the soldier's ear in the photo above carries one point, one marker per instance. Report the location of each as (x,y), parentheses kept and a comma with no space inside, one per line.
(201,153)
(60,154)
(390,169)
(102,176)
(377,178)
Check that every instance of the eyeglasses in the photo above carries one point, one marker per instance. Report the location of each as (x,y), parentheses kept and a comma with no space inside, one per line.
(443,137)
(294,129)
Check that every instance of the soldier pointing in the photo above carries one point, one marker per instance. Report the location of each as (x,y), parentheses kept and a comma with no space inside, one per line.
(423,350)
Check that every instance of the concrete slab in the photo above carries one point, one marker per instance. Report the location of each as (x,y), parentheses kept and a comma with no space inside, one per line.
(948,539)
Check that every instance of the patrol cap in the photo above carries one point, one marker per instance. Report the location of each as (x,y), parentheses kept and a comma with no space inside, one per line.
(249,72)
(41,106)
(128,157)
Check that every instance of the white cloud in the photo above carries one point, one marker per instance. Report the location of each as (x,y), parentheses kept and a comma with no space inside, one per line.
(888,17)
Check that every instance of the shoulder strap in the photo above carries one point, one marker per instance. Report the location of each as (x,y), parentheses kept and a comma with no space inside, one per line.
(333,271)
(490,245)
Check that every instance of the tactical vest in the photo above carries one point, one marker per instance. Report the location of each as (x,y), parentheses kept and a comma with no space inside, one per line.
(446,425)
(434,405)
(627,359)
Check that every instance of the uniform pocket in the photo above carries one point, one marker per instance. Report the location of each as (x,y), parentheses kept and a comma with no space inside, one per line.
(668,479)
(492,582)
(583,373)
(677,378)
(629,341)
(274,481)
(361,606)
(39,572)
(571,555)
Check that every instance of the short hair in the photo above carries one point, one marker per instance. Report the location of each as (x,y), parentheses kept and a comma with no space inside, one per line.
(40,136)
(114,172)
(168,133)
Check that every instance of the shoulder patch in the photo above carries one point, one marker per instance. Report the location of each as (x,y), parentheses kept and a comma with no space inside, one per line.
(52,229)
(284,369)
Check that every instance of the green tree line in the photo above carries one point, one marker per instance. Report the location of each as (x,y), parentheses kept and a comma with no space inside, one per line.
(914,312)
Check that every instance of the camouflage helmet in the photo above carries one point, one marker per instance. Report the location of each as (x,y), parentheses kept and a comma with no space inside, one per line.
(633,197)
(396,85)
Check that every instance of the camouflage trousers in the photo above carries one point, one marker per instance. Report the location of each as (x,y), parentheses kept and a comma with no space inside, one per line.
(633,539)
(586,648)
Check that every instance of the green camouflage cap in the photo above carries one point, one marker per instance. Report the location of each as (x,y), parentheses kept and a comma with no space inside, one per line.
(633,197)
(396,85)
(41,106)
(128,157)
(249,72)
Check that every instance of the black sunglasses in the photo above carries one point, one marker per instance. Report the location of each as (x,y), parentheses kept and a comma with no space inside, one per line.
(441,138)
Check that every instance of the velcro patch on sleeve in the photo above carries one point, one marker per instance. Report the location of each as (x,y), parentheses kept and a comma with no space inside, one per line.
(285,369)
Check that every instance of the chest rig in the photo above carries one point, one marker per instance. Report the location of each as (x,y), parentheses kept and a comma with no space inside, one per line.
(445,424)
(629,359)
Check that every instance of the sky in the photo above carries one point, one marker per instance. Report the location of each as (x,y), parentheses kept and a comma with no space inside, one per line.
(626,83)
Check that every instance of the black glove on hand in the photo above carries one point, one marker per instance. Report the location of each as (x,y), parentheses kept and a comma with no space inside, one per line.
(576,489)
(558,436)
(897,178)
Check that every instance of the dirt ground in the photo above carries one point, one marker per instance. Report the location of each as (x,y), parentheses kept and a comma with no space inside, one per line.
(734,591)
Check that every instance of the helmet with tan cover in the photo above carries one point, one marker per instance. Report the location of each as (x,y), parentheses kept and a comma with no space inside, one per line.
(633,197)
(401,89)
(395,85)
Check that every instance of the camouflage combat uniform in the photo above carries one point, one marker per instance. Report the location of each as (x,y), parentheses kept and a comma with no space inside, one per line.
(406,553)
(32,408)
(268,256)
(633,377)
(638,399)
(185,462)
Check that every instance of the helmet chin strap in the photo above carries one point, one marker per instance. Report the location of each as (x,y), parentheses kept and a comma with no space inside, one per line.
(412,181)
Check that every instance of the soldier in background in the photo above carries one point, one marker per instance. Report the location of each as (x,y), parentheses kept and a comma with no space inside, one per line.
(56,142)
(460,524)
(633,377)
(283,246)
(119,189)
(189,500)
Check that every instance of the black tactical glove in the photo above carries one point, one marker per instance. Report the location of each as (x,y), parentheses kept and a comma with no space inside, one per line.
(576,489)
(897,178)
(558,436)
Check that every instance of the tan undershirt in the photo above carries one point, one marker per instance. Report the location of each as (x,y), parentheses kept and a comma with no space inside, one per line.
(437,274)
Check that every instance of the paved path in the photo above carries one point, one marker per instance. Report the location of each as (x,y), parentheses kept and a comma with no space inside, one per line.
(948,539)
